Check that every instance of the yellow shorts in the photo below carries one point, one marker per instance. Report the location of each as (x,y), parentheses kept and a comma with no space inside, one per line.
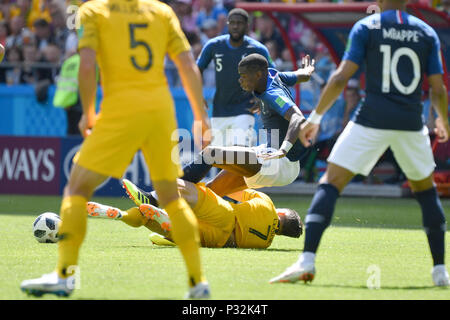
(215,216)
(116,139)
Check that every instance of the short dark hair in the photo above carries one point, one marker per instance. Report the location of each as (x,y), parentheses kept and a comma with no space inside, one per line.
(292,224)
(40,23)
(254,62)
(240,12)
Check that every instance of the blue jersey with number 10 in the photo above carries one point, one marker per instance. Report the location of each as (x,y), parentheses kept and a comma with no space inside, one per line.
(397,49)
(229,98)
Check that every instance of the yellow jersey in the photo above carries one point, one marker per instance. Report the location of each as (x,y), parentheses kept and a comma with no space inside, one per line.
(256,220)
(131,39)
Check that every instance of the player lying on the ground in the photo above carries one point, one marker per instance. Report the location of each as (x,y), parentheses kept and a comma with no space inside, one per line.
(253,223)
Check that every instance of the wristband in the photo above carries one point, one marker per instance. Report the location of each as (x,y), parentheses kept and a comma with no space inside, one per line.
(314,117)
(286,146)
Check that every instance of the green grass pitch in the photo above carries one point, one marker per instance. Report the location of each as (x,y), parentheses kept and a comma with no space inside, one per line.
(119,262)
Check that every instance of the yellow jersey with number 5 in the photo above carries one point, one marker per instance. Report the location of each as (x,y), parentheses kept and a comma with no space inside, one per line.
(131,39)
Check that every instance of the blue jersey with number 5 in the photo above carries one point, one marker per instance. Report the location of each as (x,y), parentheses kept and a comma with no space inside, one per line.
(396,49)
(229,98)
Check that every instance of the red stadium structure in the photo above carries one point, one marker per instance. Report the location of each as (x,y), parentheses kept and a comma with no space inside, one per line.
(332,22)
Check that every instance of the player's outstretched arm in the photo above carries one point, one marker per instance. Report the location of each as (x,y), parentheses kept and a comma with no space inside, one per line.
(304,73)
(88,86)
(192,83)
(336,84)
(439,101)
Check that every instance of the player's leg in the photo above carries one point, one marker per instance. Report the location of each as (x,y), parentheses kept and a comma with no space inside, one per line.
(434,223)
(239,160)
(81,185)
(184,227)
(356,151)
(196,170)
(413,153)
(226,183)
(162,158)
(132,217)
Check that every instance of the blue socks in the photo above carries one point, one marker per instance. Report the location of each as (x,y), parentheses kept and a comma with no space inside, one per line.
(319,215)
(434,223)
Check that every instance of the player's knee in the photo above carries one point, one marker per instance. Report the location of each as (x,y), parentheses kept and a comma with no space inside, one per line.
(336,176)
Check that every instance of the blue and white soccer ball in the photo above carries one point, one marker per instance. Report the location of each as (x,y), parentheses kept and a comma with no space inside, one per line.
(46,226)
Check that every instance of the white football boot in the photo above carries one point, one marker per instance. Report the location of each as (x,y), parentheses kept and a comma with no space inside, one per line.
(440,276)
(99,210)
(300,270)
(49,283)
(200,291)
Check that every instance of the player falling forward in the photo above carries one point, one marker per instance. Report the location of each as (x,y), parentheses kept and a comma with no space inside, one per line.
(264,165)
(396,49)
(129,39)
(253,223)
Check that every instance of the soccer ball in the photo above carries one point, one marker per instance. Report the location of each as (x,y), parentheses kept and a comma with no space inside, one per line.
(45,227)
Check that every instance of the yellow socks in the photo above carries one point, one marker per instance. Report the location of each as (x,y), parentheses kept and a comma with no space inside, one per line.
(185,235)
(72,231)
(133,217)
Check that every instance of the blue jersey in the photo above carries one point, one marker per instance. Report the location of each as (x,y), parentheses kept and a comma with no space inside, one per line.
(276,101)
(396,50)
(229,99)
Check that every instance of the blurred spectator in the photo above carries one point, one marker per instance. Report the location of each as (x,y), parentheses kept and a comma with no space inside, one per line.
(209,30)
(266,31)
(50,60)
(65,39)
(287,60)
(187,17)
(209,10)
(19,35)
(29,72)
(43,33)
(13,71)
(3,32)
(324,64)
(30,10)
(276,57)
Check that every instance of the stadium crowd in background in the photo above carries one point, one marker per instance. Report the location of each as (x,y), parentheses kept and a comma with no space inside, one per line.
(38,41)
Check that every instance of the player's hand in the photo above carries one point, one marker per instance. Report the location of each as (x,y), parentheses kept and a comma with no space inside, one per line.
(255,108)
(86,124)
(442,130)
(307,68)
(272,155)
(308,133)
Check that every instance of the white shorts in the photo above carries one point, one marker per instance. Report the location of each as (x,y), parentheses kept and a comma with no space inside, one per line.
(358,149)
(274,172)
(233,131)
